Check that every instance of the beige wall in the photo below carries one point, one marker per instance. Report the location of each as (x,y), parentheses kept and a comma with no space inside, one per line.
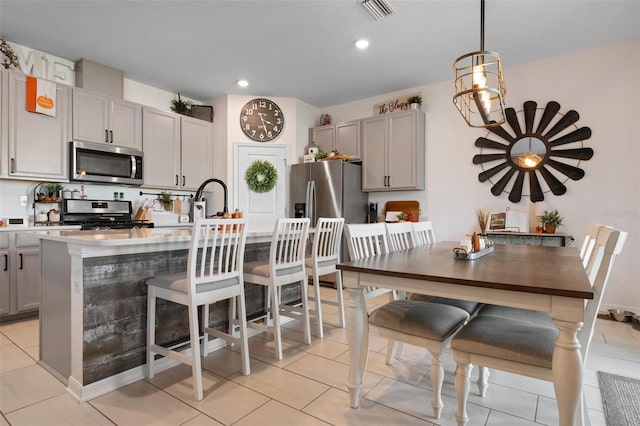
(602,86)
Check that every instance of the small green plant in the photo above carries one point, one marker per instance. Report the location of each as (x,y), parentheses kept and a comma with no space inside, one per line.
(320,155)
(53,187)
(551,218)
(165,200)
(402,216)
(179,106)
(416,99)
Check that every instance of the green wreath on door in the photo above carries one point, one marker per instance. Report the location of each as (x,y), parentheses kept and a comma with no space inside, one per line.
(261,176)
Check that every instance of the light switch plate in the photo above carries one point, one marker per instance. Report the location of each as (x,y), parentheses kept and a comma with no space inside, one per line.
(23,201)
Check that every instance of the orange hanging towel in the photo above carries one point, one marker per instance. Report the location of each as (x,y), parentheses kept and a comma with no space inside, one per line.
(41,96)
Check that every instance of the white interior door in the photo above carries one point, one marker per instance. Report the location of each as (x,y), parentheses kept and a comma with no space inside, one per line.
(262,209)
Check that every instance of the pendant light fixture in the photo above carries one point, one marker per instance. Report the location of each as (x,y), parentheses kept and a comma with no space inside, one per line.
(480,88)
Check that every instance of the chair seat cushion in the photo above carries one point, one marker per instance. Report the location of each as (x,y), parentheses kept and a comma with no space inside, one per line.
(469,307)
(308,262)
(178,282)
(428,320)
(507,339)
(262,269)
(533,317)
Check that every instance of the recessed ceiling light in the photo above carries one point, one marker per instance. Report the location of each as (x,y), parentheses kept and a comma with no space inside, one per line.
(243,83)
(362,44)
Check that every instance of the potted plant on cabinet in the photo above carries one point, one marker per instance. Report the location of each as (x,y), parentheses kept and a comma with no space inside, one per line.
(415,101)
(551,220)
(179,106)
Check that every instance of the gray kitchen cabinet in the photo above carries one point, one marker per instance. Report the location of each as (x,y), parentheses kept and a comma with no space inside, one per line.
(177,150)
(4,84)
(19,274)
(37,143)
(27,279)
(101,118)
(5,292)
(5,286)
(324,137)
(393,149)
(196,147)
(342,137)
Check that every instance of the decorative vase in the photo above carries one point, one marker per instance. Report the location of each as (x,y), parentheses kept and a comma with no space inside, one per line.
(415,106)
(549,229)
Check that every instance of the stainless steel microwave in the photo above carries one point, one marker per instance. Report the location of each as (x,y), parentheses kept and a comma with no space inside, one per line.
(104,163)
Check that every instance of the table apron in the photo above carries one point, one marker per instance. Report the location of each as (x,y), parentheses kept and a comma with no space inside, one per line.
(561,307)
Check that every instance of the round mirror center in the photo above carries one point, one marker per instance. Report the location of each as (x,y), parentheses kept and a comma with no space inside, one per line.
(528,152)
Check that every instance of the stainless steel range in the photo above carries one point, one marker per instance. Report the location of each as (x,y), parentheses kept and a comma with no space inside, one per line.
(101,214)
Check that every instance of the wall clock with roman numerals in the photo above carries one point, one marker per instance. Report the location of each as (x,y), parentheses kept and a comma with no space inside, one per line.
(261,120)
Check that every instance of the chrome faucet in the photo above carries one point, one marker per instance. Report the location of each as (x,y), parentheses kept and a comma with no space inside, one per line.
(200,190)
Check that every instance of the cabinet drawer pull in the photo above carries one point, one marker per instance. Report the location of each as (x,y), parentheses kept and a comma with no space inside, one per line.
(176,180)
(106,135)
(111,133)
(6,262)
(184,182)
(20,260)
(388,180)
(13,166)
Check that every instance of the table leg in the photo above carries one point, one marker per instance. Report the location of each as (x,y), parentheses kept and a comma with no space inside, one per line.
(567,370)
(358,340)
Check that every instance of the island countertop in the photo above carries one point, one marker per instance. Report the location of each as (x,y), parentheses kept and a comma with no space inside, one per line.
(136,237)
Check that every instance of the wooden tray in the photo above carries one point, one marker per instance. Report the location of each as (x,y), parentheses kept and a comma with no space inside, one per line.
(411,208)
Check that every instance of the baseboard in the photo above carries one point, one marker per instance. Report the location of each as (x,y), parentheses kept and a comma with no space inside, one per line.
(88,392)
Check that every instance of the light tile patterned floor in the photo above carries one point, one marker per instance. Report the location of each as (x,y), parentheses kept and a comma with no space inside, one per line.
(306,388)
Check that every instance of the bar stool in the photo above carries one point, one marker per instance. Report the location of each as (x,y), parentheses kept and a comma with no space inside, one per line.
(325,255)
(214,273)
(286,265)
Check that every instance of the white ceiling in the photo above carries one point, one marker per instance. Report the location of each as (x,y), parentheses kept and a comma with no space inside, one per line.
(304,49)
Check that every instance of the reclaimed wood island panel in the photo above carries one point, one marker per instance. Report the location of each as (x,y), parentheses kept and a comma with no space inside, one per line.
(94,302)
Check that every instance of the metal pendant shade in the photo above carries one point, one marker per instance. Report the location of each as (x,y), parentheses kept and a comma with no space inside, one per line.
(480,88)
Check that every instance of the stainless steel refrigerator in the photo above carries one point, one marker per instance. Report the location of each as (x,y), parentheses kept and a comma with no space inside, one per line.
(330,188)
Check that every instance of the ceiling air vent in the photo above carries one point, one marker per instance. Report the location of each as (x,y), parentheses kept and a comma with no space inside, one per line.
(378,8)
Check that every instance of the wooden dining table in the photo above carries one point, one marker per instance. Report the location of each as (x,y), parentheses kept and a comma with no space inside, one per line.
(549,279)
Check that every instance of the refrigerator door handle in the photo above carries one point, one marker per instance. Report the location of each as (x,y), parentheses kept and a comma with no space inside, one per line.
(310,198)
(312,201)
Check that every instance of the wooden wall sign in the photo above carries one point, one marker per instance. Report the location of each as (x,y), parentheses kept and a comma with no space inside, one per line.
(397,104)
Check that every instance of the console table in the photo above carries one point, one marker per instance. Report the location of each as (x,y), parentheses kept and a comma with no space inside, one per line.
(530,239)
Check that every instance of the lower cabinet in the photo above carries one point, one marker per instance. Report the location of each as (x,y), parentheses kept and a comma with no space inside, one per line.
(19,273)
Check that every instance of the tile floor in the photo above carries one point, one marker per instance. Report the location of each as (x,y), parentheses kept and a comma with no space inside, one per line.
(306,388)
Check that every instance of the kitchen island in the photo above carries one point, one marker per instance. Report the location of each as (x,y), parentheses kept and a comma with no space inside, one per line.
(94,302)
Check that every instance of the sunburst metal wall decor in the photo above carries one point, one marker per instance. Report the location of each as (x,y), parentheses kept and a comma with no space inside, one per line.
(529,152)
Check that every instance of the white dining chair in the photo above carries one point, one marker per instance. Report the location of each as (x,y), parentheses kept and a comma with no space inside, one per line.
(214,273)
(536,317)
(423,324)
(367,240)
(286,265)
(423,233)
(524,347)
(589,241)
(400,236)
(325,255)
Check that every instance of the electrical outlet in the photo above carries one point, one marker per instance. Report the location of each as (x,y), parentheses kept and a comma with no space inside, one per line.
(23,201)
